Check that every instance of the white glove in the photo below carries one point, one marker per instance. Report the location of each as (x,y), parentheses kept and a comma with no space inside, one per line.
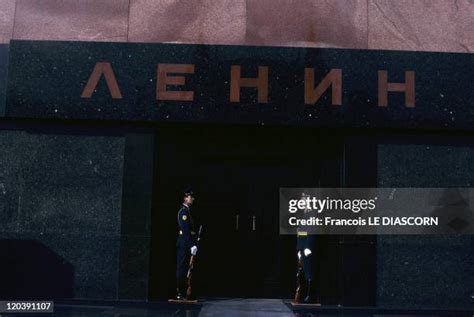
(299,255)
(307,252)
(194,250)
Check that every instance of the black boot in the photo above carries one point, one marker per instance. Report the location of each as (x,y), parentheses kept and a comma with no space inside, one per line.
(180,291)
(310,295)
(179,295)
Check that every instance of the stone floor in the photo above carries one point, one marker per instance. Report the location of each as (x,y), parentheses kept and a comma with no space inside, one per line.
(229,308)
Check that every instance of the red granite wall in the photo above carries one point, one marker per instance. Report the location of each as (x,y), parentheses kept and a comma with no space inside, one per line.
(425,25)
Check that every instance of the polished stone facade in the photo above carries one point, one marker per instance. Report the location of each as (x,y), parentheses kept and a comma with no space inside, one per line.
(421,25)
(81,197)
(417,25)
(3,76)
(425,271)
(7,17)
(61,199)
(136,224)
(442,85)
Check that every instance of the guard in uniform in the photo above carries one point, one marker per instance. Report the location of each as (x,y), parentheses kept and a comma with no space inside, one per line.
(185,244)
(304,249)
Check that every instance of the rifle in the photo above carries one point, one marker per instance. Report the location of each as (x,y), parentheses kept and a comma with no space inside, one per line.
(189,291)
(300,281)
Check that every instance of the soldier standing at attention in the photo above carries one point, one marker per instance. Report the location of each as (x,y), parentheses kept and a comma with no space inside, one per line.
(305,278)
(185,244)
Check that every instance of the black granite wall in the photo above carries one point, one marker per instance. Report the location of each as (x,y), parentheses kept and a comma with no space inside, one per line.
(3,76)
(425,271)
(47,79)
(136,216)
(60,214)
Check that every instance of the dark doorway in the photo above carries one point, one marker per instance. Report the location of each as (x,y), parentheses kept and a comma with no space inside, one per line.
(236,173)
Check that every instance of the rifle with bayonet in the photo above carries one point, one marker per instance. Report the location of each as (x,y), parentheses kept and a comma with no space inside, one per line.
(300,281)
(192,261)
